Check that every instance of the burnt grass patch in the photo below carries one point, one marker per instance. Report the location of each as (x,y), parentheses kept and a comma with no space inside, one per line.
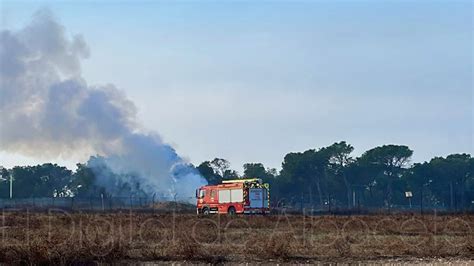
(89,238)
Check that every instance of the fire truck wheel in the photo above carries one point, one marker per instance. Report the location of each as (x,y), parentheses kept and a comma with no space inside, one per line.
(231,210)
(205,211)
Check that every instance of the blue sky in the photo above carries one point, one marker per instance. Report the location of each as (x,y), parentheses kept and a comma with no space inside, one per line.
(250,82)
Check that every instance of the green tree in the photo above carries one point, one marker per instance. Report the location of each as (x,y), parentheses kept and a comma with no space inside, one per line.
(220,166)
(45,180)
(419,179)
(387,164)
(83,184)
(258,170)
(208,173)
(339,159)
(268,175)
(4,182)
(451,177)
(216,170)
(230,174)
(362,180)
(303,172)
(254,170)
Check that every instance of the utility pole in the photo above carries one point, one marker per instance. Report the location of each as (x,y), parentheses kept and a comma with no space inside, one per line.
(102,201)
(11,186)
(353,198)
(421,200)
(451,193)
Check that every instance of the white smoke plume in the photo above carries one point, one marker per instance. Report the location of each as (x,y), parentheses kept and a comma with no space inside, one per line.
(47,109)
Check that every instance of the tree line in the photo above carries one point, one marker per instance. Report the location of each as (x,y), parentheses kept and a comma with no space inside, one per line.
(329,176)
(380,177)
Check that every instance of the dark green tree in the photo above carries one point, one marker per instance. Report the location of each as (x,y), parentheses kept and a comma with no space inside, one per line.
(339,159)
(216,170)
(258,170)
(419,180)
(206,170)
(387,164)
(83,184)
(305,172)
(451,179)
(47,180)
(4,182)
(268,175)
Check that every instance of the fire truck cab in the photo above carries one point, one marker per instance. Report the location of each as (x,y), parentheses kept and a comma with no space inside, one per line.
(234,197)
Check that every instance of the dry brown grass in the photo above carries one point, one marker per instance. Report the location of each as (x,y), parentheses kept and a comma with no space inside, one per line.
(63,238)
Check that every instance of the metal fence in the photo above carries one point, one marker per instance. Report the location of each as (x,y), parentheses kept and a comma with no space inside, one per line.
(305,205)
(188,204)
(94,203)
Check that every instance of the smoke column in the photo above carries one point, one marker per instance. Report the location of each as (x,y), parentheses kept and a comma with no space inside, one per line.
(47,109)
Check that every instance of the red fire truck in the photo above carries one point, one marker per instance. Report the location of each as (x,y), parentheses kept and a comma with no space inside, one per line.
(234,196)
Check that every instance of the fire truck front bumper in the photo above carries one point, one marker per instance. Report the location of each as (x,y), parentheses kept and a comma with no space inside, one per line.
(256,211)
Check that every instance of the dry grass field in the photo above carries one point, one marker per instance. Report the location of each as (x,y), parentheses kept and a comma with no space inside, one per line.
(63,238)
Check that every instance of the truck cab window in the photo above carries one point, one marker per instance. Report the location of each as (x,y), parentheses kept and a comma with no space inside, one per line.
(202,193)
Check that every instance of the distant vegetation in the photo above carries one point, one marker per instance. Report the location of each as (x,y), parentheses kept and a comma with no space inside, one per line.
(378,178)
(328,176)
